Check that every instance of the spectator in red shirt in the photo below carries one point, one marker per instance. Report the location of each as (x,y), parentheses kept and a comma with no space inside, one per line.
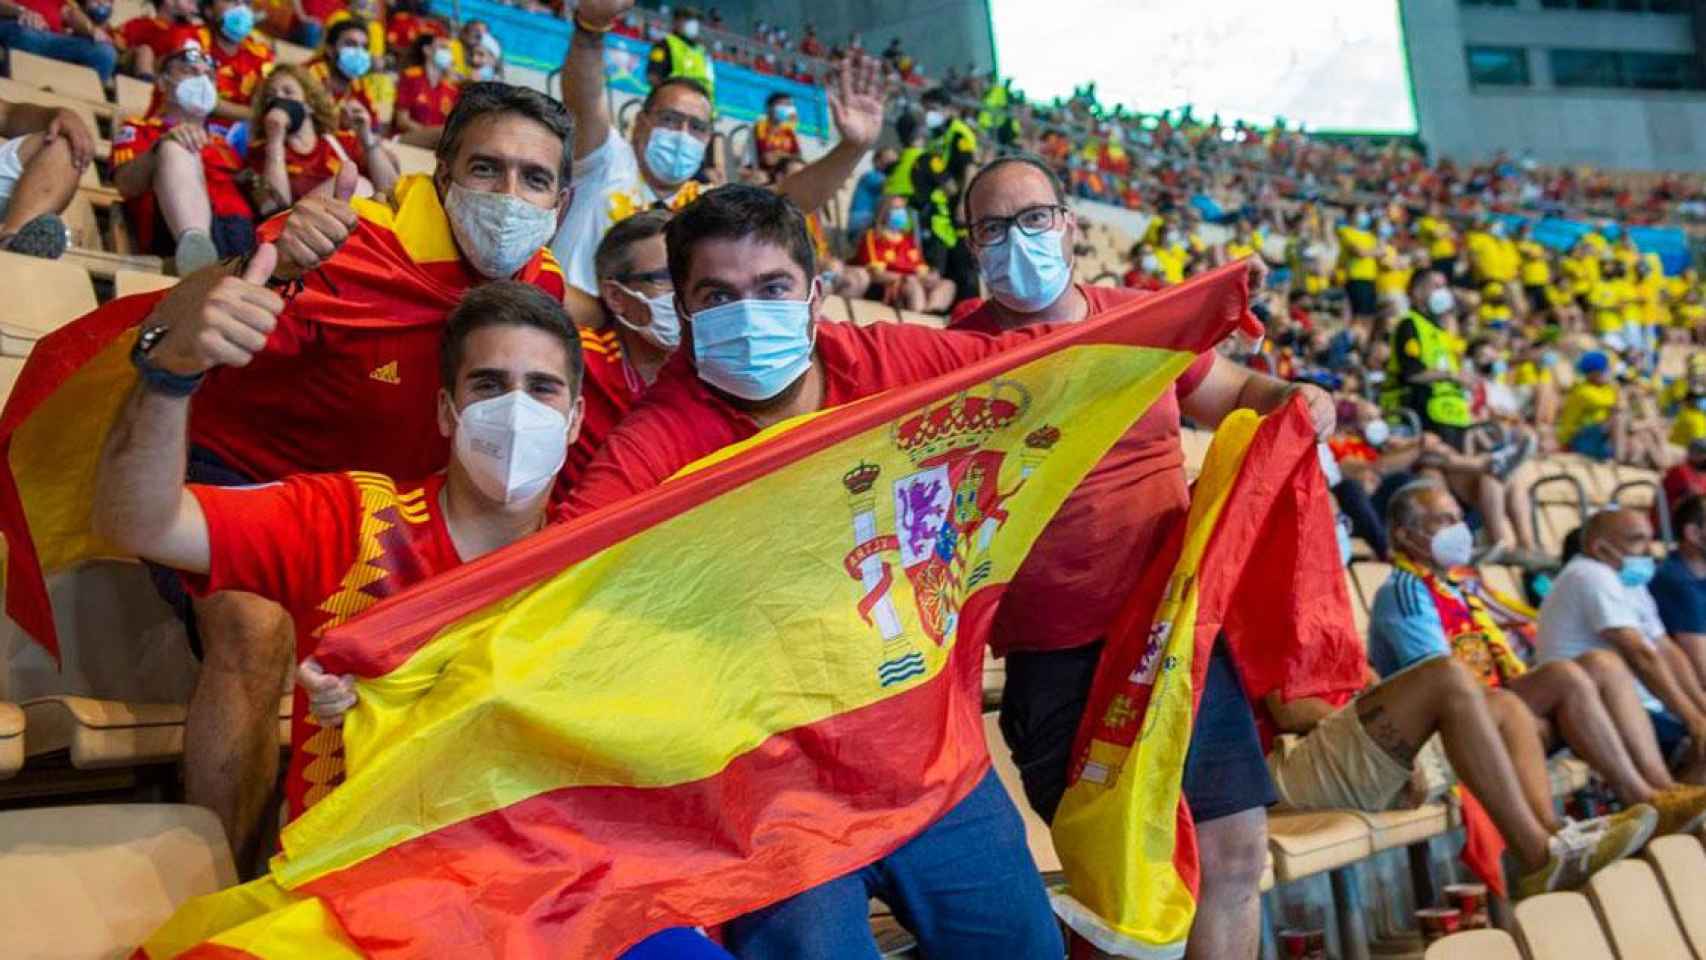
(427,91)
(410,21)
(241,56)
(743,266)
(43,153)
(890,251)
(809,43)
(1686,479)
(776,132)
(59,29)
(345,69)
(297,148)
(178,179)
(146,40)
(1050,622)
(326,397)
(508,402)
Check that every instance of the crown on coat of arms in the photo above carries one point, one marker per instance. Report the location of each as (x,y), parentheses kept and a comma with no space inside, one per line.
(1043,437)
(861,478)
(963,422)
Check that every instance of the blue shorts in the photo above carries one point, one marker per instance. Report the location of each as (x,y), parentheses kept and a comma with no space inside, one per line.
(1593,441)
(1045,698)
(1670,731)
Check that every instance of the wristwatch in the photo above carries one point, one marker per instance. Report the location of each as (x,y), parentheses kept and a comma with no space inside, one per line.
(155,378)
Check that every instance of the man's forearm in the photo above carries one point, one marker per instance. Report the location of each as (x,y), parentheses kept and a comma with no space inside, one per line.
(815,185)
(1656,676)
(1262,393)
(141,480)
(22,119)
(583,90)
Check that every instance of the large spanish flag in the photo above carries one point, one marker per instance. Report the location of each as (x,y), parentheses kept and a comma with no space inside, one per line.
(760,676)
(1256,566)
(399,269)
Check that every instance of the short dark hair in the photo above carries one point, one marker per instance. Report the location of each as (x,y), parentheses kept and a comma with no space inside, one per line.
(934,96)
(1691,512)
(1029,160)
(495,96)
(776,98)
(690,83)
(737,211)
(1421,275)
(612,256)
(338,29)
(507,303)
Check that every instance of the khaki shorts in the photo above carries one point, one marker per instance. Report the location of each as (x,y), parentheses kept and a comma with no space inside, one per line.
(1338,766)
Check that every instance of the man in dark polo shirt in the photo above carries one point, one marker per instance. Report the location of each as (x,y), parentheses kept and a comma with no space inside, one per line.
(1050,623)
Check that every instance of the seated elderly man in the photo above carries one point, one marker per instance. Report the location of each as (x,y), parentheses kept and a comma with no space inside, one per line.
(1600,602)
(1428,610)
(1360,750)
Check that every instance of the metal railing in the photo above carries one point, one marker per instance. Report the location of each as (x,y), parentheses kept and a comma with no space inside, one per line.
(1583,504)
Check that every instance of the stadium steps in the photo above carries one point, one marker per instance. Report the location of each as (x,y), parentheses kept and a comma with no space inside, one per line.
(95,880)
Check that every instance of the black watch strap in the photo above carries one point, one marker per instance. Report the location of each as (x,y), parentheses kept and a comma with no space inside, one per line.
(160,380)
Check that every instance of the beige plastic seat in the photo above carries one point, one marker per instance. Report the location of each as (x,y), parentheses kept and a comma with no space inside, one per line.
(1037,834)
(1392,829)
(70,79)
(923,319)
(1505,580)
(994,679)
(836,308)
(1304,844)
(1474,945)
(287,52)
(1567,774)
(94,881)
(58,293)
(1634,912)
(1561,926)
(129,282)
(1368,578)
(21,92)
(1681,865)
(11,739)
(1359,610)
(867,312)
(102,734)
(133,96)
(10,367)
(1195,444)
(413,159)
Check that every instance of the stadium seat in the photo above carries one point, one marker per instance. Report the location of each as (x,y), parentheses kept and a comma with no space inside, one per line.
(94,881)
(923,319)
(11,739)
(70,79)
(1036,831)
(59,293)
(994,679)
(836,308)
(1359,609)
(1392,829)
(133,96)
(867,312)
(1561,926)
(129,282)
(1368,578)
(10,367)
(1680,863)
(412,159)
(1305,844)
(103,734)
(1474,945)
(1505,580)
(286,52)
(16,91)
(1634,911)
(1195,444)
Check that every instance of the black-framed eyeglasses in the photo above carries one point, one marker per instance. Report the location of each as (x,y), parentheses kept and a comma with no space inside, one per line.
(676,120)
(649,276)
(1031,221)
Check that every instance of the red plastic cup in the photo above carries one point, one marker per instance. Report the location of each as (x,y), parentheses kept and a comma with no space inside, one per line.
(1470,899)
(1437,923)
(1303,944)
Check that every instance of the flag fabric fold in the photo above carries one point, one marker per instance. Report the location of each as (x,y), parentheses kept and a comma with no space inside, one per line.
(756,678)
(399,269)
(1256,567)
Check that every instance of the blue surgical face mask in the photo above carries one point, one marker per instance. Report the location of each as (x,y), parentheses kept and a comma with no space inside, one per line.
(1025,273)
(785,112)
(1700,403)
(236,23)
(674,155)
(484,72)
(897,219)
(753,349)
(443,59)
(1549,358)
(1637,571)
(354,62)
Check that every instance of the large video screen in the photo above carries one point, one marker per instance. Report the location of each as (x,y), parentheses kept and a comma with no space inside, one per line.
(1333,65)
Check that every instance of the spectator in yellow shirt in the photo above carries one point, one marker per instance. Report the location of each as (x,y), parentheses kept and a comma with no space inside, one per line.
(1596,424)
(1494,312)
(1435,231)
(1536,270)
(1357,247)
(1492,254)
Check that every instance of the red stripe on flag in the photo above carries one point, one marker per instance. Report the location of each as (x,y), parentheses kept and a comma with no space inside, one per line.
(1192,316)
(589,871)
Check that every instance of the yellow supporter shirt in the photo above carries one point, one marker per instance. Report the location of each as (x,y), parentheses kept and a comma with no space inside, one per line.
(1172,261)
(1356,253)
(1536,271)
(1607,300)
(1588,403)
(1529,374)
(1437,234)
(1238,251)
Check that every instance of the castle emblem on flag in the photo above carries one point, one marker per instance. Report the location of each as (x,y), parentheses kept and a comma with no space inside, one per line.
(946,512)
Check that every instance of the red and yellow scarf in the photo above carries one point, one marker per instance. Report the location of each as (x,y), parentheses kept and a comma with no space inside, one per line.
(1475,638)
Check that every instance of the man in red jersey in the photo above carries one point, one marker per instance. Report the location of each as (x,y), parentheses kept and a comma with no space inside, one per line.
(346,381)
(328,545)
(1050,622)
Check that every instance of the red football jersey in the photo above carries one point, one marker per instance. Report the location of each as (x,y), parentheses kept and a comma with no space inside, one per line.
(425,102)
(219,163)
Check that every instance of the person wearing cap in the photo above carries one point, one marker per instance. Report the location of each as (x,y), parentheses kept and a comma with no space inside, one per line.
(486,60)
(1596,422)
(680,54)
(60,30)
(179,179)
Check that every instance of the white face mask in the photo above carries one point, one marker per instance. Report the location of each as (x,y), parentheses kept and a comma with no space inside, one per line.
(664,332)
(497,232)
(1440,301)
(1376,432)
(196,96)
(511,446)
(1452,546)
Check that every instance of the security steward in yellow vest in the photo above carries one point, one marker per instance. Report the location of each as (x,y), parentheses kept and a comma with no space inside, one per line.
(1422,373)
(680,54)
(938,175)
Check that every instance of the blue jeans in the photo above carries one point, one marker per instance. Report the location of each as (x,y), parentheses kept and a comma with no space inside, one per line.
(965,887)
(61,46)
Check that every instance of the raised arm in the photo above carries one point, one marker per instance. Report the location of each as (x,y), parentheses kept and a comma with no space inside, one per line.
(583,71)
(856,105)
(141,503)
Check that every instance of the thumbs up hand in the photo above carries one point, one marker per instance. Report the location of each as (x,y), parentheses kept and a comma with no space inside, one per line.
(317,226)
(215,318)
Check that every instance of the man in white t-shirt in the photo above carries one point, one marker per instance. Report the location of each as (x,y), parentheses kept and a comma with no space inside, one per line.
(615,178)
(1600,602)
